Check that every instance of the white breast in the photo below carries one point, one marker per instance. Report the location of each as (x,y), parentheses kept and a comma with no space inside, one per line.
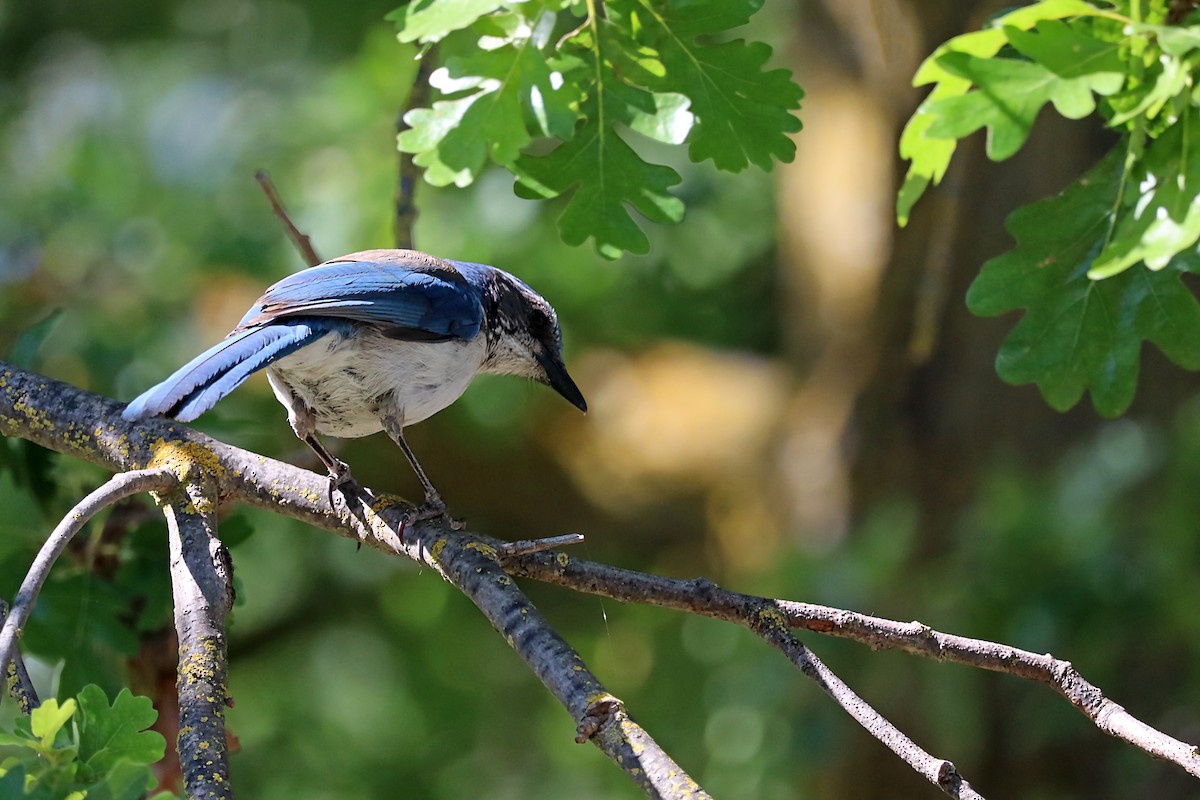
(351,384)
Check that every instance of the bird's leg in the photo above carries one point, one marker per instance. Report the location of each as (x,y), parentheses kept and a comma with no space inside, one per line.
(339,471)
(304,425)
(434,506)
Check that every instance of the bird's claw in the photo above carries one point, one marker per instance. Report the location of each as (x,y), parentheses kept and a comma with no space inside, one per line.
(340,480)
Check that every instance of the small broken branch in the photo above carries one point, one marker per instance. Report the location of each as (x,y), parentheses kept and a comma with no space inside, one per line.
(302,242)
(523,547)
(474,568)
(408,173)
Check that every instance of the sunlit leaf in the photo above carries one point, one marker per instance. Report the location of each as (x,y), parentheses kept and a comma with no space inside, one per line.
(928,155)
(431,20)
(1164,215)
(743,111)
(603,175)
(48,719)
(1009,97)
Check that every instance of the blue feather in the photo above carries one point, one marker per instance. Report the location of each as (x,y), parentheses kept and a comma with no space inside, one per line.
(435,300)
(198,385)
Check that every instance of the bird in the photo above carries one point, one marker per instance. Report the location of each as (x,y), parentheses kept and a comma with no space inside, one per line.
(374,341)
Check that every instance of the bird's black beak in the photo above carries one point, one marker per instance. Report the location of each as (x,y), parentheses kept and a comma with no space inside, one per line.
(558,380)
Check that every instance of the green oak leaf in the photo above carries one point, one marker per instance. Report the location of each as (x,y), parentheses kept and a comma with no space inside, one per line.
(1164,217)
(14,785)
(743,111)
(1175,40)
(1071,53)
(1162,82)
(1080,334)
(1009,97)
(430,20)
(453,139)
(109,734)
(124,780)
(48,719)
(605,175)
(596,166)
(928,156)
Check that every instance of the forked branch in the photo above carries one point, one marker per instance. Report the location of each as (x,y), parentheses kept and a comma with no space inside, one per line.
(481,568)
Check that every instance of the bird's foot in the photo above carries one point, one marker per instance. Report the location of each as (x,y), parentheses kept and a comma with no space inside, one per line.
(340,480)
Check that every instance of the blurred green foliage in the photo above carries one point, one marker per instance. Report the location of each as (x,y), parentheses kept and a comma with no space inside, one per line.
(1134,215)
(129,135)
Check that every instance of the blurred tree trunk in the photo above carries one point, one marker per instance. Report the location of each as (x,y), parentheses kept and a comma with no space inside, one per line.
(893,348)
(886,348)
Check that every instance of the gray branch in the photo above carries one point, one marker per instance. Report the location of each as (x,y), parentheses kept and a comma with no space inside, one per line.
(69,420)
(16,677)
(201,581)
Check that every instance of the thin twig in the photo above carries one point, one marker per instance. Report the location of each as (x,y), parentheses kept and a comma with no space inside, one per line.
(302,242)
(409,173)
(201,581)
(772,627)
(116,488)
(16,677)
(703,597)
(473,567)
(523,547)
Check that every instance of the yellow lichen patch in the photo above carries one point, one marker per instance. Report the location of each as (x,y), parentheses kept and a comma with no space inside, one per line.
(485,549)
(771,616)
(181,457)
(563,559)
(435,552)
(37,419)
(504,580)
(385,501)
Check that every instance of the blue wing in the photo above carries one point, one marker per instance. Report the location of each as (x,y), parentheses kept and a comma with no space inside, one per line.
(198,385)
(417,295)
(408,295)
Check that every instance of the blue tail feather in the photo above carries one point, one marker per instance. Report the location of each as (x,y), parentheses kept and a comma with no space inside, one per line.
(198,385)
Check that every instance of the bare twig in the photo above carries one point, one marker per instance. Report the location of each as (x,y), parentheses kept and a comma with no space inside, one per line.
(409,173)
(201,580)
(703,597)
(302,242)
(116,488)
(16,677)
(523,547)
(473,567)
(773,628)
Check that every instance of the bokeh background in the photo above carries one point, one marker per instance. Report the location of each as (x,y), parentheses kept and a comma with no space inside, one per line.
(787,395)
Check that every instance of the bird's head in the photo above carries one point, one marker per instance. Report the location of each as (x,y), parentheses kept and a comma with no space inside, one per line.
(524,338)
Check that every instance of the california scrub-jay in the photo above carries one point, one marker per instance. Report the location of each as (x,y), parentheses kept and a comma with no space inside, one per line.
(374,341)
